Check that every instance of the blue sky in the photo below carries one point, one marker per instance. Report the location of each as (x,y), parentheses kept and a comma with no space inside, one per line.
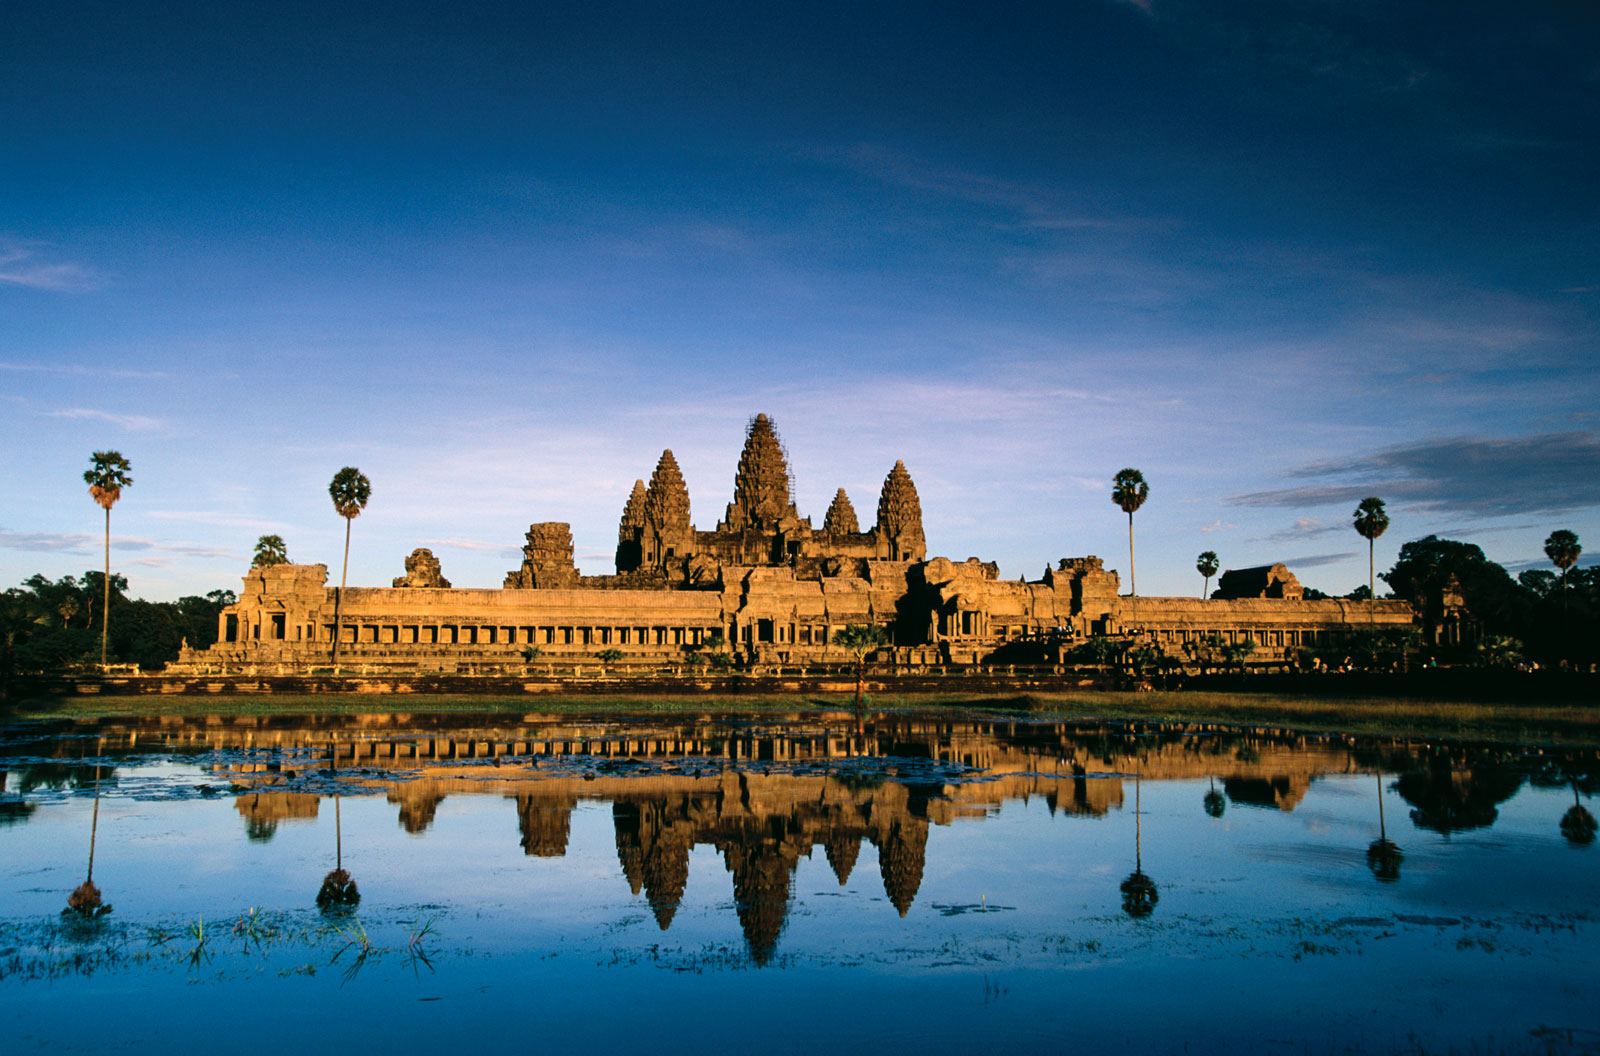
(1278,256)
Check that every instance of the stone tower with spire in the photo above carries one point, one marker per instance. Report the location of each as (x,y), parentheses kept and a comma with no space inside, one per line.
(630,533)
(668,536)
(841,516)
(762,490)
(899,530)
(761,527)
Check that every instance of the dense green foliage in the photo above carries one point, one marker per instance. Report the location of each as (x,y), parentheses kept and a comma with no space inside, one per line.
(270,550)
(1546,623)
(48,625)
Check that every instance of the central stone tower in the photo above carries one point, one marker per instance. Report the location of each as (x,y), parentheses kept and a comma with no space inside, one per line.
(761,527)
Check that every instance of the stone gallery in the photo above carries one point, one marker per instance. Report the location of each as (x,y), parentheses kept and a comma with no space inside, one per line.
(765,586)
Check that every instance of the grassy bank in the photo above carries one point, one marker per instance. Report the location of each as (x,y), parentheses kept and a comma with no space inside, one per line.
(1502,721)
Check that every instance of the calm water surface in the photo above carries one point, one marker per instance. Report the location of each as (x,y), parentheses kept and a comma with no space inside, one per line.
(789,884)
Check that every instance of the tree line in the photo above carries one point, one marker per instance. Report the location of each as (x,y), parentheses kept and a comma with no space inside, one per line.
(1539,617)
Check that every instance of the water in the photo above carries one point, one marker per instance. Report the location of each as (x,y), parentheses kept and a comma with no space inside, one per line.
(788,884)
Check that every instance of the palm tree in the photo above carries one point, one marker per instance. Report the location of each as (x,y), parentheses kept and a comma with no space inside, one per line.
(270,550)
(1207,566)
(861,639)
(1128,490)
(350,491)
(1562,549)
(1370,522)
(106,476)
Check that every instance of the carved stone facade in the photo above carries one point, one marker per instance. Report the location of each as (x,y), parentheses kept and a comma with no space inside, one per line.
(546,559)
(764,585)
(422,570)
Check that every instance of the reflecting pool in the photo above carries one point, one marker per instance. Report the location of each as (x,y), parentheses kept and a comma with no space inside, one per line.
(791,884)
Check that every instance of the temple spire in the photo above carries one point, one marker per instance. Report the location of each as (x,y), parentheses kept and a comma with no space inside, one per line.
(633,512)
(630,532)
(761,489)
(666,500)
(841,516)
(899,527)
(667,536)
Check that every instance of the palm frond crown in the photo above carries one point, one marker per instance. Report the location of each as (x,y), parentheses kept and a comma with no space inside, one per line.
(108,473)
(350,491)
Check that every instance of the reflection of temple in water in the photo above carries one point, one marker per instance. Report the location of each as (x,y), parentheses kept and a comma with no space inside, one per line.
(764,795)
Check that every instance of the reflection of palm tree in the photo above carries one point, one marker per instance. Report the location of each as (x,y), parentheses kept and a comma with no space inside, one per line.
(85,899)
(1577,824)
(1139,895)
(1215,801)
(338,891)
(1383,856)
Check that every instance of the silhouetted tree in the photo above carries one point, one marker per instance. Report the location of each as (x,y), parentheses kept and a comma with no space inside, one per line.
(1563,550)
(107,475)
(1427,567)
(1215,802)
(1207,566)
(350,491)
(1371,521)
(1539,581)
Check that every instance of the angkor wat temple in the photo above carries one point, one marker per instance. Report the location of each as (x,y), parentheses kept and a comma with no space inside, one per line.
(766,586)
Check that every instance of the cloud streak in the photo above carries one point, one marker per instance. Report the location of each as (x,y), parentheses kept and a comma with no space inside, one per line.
(20,265)
(1483,476)
(1317,560)
(132,422)
(87,545)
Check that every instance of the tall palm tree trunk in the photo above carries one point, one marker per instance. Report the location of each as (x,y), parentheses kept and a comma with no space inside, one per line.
(1133,589)
(94,827)
(338,599)
(1372,581)
(1383,831)
(105,612)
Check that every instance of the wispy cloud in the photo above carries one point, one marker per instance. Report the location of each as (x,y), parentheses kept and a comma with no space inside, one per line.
(46,542)
(1477,475)
(1218,525)
(1316,560)
(30,265)
(177,549)
(135,422)
(1303,528)
(1017,204)
(76,543)
(79,369)
(475,545)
